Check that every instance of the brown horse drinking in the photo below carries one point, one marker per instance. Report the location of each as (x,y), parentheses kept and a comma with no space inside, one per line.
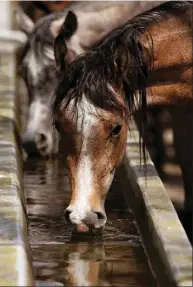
(146,61)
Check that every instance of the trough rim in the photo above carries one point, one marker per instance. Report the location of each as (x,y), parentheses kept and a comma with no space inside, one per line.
(149,211)
(16,261)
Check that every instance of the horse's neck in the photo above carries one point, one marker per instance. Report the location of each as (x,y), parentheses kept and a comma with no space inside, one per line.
(171,78)
(166,32)
(102,18)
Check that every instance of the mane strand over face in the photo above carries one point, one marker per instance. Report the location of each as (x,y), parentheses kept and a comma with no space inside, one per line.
(120,61)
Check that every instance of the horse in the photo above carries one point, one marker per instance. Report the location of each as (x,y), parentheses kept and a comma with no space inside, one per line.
(84,24)
(147,61)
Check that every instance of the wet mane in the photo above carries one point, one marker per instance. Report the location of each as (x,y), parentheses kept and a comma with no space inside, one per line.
(91,74)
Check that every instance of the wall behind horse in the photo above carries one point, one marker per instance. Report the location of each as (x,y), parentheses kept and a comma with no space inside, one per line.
(5,15)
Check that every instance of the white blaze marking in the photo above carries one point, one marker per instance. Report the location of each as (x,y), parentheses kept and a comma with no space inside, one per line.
(84,176)
(34,66)
(36,114)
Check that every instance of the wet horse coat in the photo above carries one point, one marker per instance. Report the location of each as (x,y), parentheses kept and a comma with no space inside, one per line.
(90,23)
(146,61)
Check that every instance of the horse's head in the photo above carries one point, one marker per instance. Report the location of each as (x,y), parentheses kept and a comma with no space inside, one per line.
(93,141)
(90,114)
(37,68)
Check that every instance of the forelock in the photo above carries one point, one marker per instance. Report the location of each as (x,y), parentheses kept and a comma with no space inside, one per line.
(92,76)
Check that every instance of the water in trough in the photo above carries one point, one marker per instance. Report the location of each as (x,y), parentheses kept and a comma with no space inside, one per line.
(64,258)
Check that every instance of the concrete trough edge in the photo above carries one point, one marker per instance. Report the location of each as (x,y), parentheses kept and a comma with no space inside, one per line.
(166,244)
(15,257)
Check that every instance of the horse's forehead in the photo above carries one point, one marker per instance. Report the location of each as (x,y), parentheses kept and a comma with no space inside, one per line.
(81,115)
(84,117)
(34,66)
(38,61)
(39,55)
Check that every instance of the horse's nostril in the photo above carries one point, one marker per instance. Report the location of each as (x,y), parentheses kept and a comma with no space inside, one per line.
(28,143)
(42,143)
(67,215)
(100,215)
(41,137)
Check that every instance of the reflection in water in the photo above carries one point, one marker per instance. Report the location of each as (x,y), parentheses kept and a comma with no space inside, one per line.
(91,264)
(64,258)
(84,264)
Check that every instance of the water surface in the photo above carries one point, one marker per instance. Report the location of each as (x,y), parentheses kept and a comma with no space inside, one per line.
(62,257)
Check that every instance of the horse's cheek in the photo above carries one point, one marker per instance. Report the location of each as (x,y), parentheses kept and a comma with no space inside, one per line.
(118,151)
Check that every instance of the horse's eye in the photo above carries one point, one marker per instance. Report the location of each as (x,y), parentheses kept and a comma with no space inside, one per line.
(116,130)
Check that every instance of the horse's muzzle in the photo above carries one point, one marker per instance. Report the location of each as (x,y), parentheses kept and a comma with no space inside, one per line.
(85,220)
(37,144)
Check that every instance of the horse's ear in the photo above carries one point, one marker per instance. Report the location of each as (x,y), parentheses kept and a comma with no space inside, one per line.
(60,52)
(60,49)
(120,59)
(23,21)
(68,25)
